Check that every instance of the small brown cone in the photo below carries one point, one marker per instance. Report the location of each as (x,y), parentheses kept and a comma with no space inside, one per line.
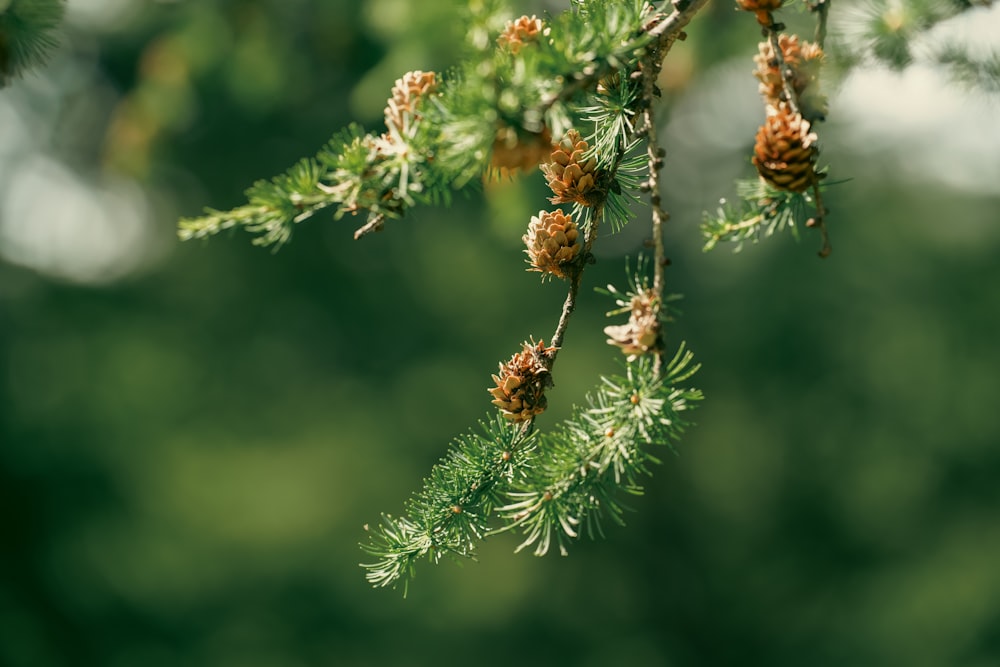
(520,32)
(804,60)
(408,95)
(514,150)
(552,243)
(642,332)
(571,177)
(522,381)
(785,151)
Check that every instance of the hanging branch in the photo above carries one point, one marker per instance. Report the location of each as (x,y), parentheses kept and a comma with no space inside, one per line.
(786,146)
(791,97)
(497,112)
(567,475)
(664,31)
(602,450)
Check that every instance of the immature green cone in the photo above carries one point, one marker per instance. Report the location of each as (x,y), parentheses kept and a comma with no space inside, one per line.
(642,332)
(552,243)
(804,60)
(522,381)
(408,95)
(571,177)
(519,32)
(785,151)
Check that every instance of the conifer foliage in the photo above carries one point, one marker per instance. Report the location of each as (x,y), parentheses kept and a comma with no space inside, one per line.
(575,94)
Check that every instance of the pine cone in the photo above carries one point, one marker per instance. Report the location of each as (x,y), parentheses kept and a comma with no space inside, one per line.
(519,32)
(785,151)
(804,60)
(407,96)
(552,242)
(642,332)
(513,150)
(570,177)
(521,384)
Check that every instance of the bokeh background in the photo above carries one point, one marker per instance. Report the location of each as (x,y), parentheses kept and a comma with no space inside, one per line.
(193,436)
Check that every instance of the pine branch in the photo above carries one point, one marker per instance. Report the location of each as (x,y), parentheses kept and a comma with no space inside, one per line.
(521,84)
(356,172)
(448,143)
(441,521)
(613,117)
(569,480)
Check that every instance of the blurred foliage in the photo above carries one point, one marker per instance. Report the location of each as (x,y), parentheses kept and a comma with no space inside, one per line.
(26,34)
(187,454)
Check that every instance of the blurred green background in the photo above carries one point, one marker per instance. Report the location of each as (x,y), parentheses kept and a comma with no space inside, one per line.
(193,436)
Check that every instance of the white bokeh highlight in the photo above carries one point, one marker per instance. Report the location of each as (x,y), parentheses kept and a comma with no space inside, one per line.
(55,222)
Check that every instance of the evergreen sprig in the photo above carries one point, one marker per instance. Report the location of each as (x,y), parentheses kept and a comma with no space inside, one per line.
(27,34)
(602,451)
(762,211)
(346,172)
(452,512)
(548,86)
(638,286)
(544,484)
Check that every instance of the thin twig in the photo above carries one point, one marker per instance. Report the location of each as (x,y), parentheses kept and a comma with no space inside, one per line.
(822,9)
(650,72)
(375,224)
(773,31)
(731,228)
(820,221)
(576,278)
